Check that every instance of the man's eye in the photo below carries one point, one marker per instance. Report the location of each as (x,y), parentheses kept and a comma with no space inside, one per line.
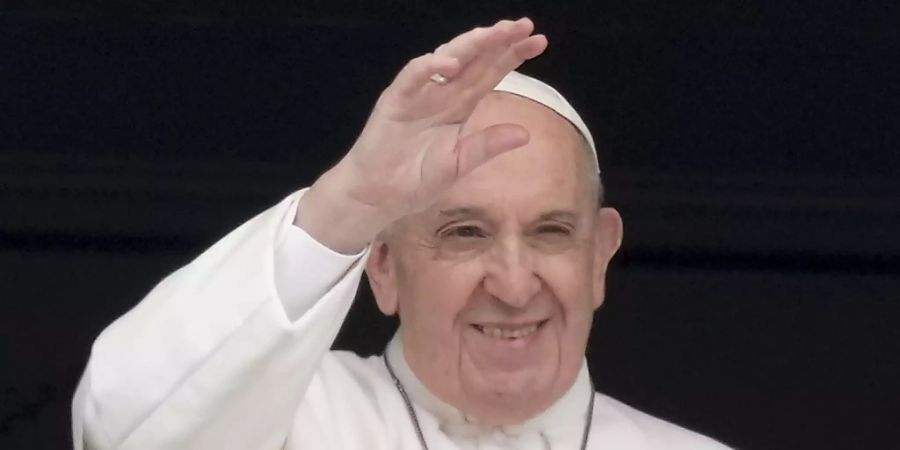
(465,231)
(554,229)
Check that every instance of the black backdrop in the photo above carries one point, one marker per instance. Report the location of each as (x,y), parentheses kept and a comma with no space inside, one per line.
(753,152)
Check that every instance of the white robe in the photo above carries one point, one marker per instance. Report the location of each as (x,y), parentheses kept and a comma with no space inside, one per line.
(232,352)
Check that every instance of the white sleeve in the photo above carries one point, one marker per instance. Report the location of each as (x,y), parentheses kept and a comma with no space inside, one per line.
(219,354)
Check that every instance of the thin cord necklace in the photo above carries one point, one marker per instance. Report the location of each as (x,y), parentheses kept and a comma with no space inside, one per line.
(415,419)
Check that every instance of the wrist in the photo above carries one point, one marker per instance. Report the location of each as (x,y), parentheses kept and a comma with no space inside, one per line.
(330,214)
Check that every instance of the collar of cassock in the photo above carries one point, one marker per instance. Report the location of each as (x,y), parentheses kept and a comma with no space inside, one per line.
(563,420)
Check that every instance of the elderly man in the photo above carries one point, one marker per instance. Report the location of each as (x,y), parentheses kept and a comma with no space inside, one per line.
(471,198)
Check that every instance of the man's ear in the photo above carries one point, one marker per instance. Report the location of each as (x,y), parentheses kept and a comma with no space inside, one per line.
(607,240)
(382,276)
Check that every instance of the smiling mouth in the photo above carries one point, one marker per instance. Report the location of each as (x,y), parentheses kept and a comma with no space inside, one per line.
(509,332)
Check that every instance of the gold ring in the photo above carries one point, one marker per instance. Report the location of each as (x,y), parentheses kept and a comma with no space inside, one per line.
(439,79)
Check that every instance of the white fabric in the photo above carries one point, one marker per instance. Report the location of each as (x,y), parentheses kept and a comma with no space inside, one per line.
(232,352)
(534,89)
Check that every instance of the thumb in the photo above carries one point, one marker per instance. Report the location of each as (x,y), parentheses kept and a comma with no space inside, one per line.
(479,147)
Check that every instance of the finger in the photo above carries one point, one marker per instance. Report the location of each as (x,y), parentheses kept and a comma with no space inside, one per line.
(530,48)
(468,46)
(483,74)
(417,72)
(521,29)
(514,57)
(480,147)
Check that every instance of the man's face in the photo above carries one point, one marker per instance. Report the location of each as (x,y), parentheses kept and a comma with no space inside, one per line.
(497,282)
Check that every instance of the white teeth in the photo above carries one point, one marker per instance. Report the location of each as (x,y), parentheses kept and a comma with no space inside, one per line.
(508,333)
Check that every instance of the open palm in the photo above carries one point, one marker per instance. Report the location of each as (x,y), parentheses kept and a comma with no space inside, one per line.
(410,150)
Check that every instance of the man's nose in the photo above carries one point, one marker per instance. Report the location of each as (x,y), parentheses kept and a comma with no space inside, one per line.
(510,274)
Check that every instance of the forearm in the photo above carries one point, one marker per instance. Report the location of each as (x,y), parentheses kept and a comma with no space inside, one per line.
(213,339)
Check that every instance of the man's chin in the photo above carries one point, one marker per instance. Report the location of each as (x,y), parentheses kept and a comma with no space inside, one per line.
(508,381)
(506,407)
(502,397)
(503,383)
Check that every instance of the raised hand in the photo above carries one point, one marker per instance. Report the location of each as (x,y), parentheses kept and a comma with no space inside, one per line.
(410,150)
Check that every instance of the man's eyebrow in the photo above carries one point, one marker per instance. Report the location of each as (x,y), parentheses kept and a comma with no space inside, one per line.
(463,212)
(561,215)
(469,212)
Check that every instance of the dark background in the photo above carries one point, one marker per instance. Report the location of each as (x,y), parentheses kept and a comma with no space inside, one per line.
(752,150)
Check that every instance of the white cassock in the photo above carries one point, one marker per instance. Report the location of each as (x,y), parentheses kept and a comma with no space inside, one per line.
(231,352)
